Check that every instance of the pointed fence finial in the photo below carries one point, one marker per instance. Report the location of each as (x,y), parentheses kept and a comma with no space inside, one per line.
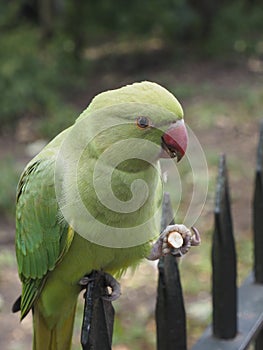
(258,212)
(224,288)
(170,310)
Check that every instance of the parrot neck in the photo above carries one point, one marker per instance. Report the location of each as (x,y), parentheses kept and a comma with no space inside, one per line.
(133,165)
(118,185)
(120,160)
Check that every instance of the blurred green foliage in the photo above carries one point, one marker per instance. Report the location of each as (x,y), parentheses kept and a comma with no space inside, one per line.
(43,44)
(8,182)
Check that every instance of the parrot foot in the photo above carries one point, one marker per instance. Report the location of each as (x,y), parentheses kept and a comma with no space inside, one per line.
(175,240)
(114,286)
(111,285)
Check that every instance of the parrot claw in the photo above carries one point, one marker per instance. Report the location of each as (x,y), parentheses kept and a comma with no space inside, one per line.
(111,285)
(166,244)
(84,281)
(196,238)
(114,286)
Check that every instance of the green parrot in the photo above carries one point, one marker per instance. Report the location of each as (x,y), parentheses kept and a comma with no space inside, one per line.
(90,200)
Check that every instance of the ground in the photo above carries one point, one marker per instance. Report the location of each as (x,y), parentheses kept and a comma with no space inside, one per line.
(223,104)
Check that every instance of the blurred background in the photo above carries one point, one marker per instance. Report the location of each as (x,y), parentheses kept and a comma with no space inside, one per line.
(55,55)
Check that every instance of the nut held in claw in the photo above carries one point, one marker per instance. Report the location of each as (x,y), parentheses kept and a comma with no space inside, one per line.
(175,239)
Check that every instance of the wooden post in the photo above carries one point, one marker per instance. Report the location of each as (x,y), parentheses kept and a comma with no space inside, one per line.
(170,311)
(224,289)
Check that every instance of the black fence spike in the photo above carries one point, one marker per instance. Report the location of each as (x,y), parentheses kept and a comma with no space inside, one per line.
(170,311)
(258,212)
(258,223)
(224,289)
(98,316)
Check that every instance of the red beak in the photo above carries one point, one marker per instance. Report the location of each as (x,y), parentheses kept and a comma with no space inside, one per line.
(174,141)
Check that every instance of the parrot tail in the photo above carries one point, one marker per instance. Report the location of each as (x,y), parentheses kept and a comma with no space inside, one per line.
(57,338)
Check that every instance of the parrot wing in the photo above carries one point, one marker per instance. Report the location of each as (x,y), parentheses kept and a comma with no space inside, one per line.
(42,237)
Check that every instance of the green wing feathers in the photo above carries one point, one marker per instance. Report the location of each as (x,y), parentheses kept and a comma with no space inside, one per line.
(41,237)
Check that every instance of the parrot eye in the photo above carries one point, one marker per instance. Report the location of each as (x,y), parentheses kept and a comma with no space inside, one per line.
(143,122)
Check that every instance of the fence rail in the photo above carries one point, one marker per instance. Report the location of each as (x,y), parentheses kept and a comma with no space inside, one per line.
(237,312)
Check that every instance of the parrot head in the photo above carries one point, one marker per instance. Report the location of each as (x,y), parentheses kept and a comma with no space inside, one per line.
(172,139)
(144,111)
